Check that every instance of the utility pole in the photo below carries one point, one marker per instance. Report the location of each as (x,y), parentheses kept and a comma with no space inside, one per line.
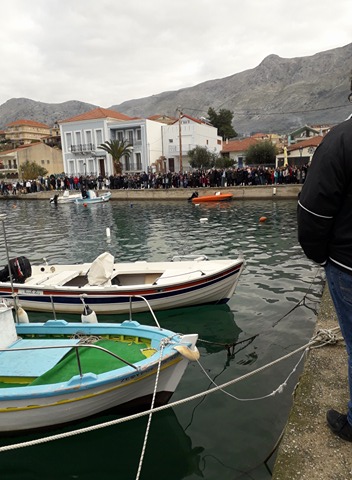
(180,135)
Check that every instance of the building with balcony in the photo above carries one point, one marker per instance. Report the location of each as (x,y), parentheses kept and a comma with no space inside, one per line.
(24,132)
(184,135)
(145,136)
(82,135)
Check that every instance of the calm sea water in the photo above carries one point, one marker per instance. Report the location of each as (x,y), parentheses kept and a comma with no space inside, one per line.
(217,436)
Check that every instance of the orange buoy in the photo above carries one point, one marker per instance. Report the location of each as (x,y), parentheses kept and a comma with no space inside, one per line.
(84,204)
(263,219)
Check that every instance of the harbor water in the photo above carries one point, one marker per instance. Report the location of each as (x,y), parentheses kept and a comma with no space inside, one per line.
(232,433)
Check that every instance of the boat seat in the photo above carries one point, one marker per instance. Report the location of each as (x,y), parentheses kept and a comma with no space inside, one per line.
(62,277)
(33,363)
(37,280)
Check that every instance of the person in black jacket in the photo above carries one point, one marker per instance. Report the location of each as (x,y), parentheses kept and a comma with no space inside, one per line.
(324,216)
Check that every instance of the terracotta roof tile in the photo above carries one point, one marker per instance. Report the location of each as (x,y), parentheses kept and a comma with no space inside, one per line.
(30,123)
(308,142)
(97,113)
(238,145)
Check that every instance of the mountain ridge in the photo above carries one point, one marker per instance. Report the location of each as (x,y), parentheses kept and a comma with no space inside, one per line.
(279,95)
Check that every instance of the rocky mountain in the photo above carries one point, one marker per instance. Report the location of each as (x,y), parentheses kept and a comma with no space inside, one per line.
(48,113)
(279,95)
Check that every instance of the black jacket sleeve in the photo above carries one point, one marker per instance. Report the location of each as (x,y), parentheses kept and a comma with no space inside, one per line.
(324,192)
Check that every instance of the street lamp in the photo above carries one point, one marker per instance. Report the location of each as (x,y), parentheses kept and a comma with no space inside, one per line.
(85,169)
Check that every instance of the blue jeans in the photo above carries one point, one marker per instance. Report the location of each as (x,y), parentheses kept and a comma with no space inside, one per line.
(340,286)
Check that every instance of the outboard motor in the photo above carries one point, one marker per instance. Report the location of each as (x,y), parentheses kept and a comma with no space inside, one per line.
(21,269)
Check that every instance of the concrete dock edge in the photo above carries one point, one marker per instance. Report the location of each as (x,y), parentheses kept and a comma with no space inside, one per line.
(308,449)
(251,192)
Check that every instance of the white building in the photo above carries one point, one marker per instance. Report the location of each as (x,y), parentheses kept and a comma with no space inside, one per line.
(82,135)
(152,142)
(145,137)
(185,134)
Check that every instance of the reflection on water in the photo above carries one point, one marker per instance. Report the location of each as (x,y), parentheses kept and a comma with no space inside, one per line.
(271,314)
(112,452)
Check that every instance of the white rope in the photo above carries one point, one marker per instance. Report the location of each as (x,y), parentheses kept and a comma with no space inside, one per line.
(157,409)
(326,337)
(279,389)
(162,346)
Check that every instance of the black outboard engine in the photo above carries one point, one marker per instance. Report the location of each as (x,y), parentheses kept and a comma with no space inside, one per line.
(20,269)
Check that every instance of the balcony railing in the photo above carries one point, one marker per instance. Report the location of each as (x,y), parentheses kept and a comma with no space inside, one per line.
(80,148)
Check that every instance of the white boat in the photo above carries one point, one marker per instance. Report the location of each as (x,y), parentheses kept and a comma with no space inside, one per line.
(66,197)
(92,197)
(57,372)
(108,287)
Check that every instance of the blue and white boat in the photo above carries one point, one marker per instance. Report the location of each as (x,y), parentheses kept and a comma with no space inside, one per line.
(92,197)
(57,372)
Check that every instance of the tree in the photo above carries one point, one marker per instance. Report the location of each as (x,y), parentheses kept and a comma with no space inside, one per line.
(31,170)
(224,162)
(200,157)
(117,149)
(223,122)
(262,152)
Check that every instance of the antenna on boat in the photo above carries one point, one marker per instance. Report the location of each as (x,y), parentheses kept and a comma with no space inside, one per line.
(3,217)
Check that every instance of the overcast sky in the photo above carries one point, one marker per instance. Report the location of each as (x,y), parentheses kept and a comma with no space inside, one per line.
(107,51)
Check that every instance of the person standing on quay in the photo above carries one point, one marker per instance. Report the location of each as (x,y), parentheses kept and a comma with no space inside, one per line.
(324,216)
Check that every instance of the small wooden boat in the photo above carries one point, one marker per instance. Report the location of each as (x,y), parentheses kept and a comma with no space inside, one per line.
(217,197)
(107,286)
(57,372)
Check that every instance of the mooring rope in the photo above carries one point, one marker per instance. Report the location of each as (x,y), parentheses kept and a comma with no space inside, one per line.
(59,436)
(162,346)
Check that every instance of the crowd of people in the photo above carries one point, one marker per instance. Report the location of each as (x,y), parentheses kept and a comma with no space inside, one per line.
(230,177)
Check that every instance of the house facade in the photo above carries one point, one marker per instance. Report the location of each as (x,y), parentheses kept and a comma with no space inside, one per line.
(39,153)
(300,153)
(145,136)
(184,135)
(82,135)
(236,150)
(24,132)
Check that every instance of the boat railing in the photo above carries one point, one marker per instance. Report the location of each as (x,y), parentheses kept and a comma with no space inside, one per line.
(195,258)
(70,346)
(199,273)
(84,297)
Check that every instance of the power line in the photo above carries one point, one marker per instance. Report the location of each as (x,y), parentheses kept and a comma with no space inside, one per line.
(258,112)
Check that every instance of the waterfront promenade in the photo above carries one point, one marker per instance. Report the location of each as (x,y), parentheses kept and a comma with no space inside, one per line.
(258,192)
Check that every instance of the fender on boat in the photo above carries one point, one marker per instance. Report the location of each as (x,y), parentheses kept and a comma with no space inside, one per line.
(186,352)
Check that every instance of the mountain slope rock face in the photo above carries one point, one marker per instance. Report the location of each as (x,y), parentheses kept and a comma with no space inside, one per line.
(279,95)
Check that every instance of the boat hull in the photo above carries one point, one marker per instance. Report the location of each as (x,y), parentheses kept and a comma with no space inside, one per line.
(213,198)
(101,199)
(66,406)
(204,285)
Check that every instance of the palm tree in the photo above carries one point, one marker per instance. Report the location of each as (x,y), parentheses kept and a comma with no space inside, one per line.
(117,149)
